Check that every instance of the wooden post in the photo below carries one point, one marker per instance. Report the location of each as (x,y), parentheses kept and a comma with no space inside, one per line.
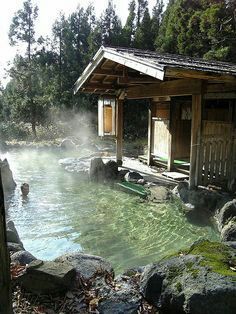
(171,140)
(119,131)
(150,131)
(195,140)
(5,288)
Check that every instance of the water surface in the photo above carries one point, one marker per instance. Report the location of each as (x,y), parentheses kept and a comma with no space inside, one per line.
(65,213)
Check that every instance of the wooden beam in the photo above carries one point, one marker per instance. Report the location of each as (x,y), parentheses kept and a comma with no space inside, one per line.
(5,282)
(221,88)
(150,131)
(169,88)
(136,80)
(195,139)
(229,95)
(100,86)
(111,72)
(196,74)
(119,131)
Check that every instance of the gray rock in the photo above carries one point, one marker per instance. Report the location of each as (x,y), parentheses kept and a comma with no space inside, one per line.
(68,144)
(231,244)
(200,198)
(8,182)
(48,277)
(159,194)
(120,302)
(228,233)
(111,170)
(97,170)
(226,213)
(12,234)
(133,176)
(87,266)
(22,257)
(190,283)
(14,247)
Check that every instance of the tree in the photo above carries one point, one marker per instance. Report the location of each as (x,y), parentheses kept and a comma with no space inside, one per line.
(201,28)
(128,30)
(22,30)
(143,37)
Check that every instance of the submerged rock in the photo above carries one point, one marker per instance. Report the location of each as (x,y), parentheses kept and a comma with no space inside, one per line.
(111,170)
(159,194)
(200,281)
(48,277)
(68,144)
(87,266)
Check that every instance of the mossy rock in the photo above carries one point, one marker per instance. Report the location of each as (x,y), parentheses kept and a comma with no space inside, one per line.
(201,277)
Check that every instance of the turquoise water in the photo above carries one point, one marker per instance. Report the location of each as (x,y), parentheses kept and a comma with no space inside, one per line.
(65,213)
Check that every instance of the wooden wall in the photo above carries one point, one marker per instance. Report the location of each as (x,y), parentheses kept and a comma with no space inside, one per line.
(161,124)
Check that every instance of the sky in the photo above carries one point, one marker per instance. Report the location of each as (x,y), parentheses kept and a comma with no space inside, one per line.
(48,12)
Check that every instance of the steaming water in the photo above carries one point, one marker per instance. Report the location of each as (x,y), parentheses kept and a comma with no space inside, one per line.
(64,214)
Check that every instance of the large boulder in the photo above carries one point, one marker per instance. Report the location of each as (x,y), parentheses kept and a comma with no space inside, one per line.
(111,170)
(227,213)
(87,266)
(199,281)
(8,182)
(97,170)
(15,247)
(200,198)
(22,258)
(228,233)
(48,277)
(12,234)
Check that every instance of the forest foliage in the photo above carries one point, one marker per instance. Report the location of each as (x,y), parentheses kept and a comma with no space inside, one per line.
(42,77)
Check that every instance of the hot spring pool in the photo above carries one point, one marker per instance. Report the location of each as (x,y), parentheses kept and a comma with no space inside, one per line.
(64,213)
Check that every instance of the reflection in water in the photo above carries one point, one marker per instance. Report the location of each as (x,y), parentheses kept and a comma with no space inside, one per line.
(63,213)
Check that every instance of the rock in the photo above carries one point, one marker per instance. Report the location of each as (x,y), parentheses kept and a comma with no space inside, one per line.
(111,170)
(159,194)
(226,213)
(22,257)
(68,144)
(133,176)
(87,266)
(228,233)
(14,247)
(231,244)
(97,170)
(48,277)
(122,173)
(200,281)
(12,234)
(119,302)
(200,198)
(8,182)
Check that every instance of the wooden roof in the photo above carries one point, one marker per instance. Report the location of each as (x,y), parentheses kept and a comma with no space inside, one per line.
(114,69)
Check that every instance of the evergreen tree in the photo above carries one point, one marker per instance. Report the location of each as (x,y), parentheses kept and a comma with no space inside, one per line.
(143,37)
(22,30)
(130,26)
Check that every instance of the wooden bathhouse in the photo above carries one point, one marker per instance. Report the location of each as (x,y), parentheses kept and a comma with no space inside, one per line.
(192,112)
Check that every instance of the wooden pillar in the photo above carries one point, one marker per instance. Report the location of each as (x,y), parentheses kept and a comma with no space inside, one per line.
(195,140)
(5,288)
(119,131)
(150,131)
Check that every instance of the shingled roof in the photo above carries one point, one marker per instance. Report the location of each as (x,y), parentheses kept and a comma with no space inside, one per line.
(110,66)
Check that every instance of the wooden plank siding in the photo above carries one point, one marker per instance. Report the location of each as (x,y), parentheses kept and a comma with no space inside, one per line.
(217,153)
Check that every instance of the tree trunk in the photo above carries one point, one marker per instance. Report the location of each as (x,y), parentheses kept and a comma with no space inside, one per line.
(5,282)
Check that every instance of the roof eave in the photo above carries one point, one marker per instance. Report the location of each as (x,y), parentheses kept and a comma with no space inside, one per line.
(155,71)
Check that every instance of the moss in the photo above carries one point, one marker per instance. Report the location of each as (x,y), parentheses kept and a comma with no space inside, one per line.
(192,270)
(179,286)
(174,272)
(216,256)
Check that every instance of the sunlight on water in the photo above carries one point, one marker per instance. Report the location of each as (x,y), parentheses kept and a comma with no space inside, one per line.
(64,213)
